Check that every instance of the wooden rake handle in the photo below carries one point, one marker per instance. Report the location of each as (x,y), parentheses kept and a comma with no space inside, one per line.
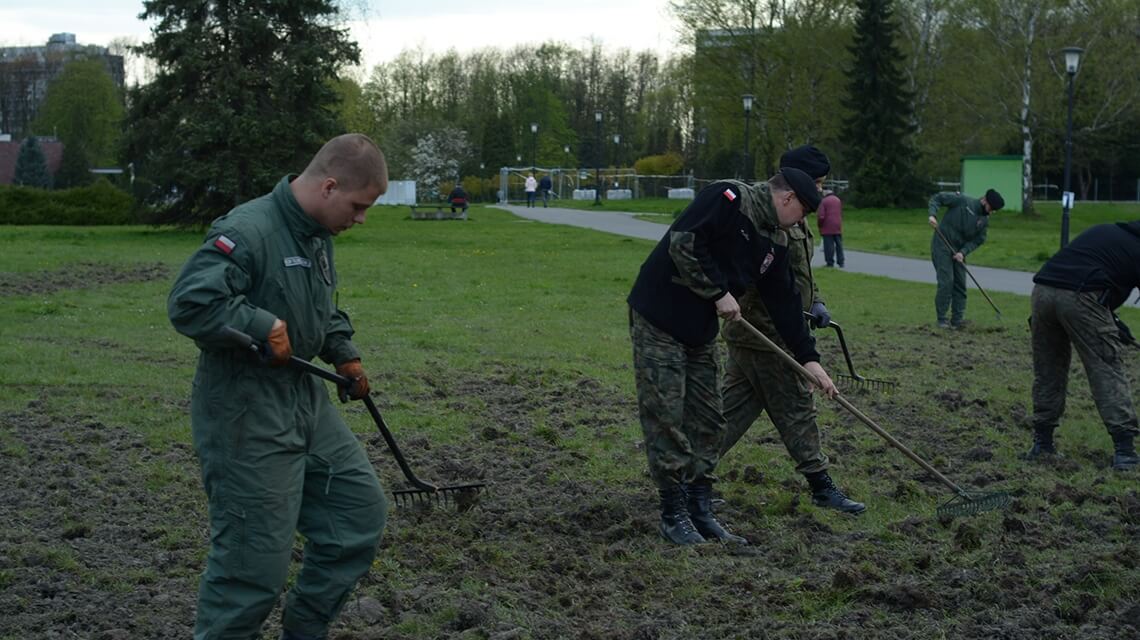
(799,368)
(953,251)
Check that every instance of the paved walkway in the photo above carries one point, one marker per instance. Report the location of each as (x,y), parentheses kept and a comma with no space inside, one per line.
(623,223)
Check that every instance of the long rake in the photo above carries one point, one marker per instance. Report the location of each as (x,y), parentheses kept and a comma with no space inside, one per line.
(952,252)
(463,495)
(854,379)
(964,502)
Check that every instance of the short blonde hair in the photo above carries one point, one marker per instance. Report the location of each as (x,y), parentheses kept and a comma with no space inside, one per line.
(353,159)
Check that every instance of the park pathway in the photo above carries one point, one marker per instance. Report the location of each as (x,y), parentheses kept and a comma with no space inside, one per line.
(914,270)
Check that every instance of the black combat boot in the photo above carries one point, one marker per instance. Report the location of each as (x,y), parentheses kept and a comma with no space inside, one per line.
(700,510)
(1125,457)
(824,493)
(676,526)
(1042,444)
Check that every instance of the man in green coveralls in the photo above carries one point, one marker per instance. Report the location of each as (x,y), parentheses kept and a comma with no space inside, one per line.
(276,456)
(757,380)
(964,226)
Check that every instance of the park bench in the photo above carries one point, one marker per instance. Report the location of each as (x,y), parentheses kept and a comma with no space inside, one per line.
(436,211)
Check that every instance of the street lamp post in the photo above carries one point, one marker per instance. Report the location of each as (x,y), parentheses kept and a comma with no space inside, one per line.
(533,145)
(1072,61)
(617,149)
(598,157)
(748,97)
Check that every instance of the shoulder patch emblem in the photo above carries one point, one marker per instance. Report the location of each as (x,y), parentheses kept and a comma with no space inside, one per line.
(729,194)
(768,259)
(225,245)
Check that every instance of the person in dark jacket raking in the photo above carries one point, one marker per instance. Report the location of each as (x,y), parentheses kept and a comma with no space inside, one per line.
(731,235)
(1074,299)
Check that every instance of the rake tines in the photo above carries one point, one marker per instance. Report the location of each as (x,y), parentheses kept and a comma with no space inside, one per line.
(868,384)
(463,496)
(854,380)
(968,503)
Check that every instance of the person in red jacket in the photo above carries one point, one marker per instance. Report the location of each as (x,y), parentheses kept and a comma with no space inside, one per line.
(831,228)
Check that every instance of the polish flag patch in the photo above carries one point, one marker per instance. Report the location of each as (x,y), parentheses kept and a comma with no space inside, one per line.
(225,244)
(729,194)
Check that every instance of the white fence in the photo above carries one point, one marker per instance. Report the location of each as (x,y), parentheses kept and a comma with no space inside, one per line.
(399,192)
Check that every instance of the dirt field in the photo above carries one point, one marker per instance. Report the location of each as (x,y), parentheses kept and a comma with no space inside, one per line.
(102,537)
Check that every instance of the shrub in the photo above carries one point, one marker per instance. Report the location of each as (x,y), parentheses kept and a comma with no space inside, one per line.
(668,164)
(97,204)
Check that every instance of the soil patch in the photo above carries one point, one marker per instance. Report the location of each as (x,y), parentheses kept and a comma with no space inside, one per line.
(81,275)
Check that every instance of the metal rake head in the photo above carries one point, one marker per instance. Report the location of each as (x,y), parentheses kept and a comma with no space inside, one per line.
(463,496)
(969,503)
(870,384)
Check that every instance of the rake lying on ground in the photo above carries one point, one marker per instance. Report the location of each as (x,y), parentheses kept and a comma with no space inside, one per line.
(463,495)
(855,380)
(964,503)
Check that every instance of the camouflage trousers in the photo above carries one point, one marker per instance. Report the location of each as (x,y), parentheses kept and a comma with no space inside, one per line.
(1063,320)
(757,381)
(679,403)
(951,275)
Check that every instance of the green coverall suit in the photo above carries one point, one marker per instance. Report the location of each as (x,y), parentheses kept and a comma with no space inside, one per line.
(757,380)
(276,456)
(964,225)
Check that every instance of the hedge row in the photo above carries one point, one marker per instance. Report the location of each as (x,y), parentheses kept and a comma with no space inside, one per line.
(98,203)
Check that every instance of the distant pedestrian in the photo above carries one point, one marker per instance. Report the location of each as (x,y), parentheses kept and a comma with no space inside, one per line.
(831,228)
(731,236)
(1074,299)
(964,227)
(545,185)
(531,185)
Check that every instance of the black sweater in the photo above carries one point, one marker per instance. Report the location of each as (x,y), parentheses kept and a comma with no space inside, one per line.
(1103,258)
(725,252)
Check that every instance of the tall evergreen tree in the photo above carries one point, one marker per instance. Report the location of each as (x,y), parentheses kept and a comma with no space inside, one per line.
(74,168)
(879,131)
(31,166)
(244,92)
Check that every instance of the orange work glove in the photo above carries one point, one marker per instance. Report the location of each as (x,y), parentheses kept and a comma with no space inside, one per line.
(278,344)
(353,371)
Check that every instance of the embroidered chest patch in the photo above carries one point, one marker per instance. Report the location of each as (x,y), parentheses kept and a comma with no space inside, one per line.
(768,259)
(326,269)
(298,261)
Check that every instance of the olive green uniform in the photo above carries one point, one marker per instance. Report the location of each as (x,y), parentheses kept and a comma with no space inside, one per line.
(276,456)
(758,380)
(964,225)
(727,239)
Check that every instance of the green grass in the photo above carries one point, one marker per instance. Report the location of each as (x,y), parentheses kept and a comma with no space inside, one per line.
(1014,241)
(497,323)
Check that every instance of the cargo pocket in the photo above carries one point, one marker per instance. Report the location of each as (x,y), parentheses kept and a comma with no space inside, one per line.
(1108,344)
(228,538)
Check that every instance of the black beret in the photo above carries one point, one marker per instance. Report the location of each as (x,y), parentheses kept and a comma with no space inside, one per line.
(995,200)
(808,159)
(804,187)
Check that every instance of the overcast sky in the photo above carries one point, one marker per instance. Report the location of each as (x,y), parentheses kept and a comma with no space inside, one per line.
(384,27)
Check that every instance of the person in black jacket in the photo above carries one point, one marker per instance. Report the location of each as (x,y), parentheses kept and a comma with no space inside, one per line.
(1074,298)
(731,236)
